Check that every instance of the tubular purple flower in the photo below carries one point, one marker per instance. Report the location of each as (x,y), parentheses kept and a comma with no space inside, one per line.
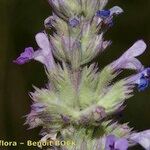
(107,15)
(116,10)
(128,60)
(43,54)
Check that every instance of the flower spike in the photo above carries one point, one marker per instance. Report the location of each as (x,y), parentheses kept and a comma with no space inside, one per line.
(80,101)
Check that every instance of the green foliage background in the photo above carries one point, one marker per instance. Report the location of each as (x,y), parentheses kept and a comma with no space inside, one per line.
(20,20)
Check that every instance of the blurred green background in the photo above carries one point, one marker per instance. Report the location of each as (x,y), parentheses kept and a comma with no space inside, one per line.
(20,20)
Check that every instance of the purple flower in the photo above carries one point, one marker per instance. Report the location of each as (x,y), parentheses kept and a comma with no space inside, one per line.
(107,15)
(24,57)
(142,138)
(43,54)
(74,22)
(103,13)
(144,79)
(146,72)
(143,83)
(128,60)
(116,10)
(113,143)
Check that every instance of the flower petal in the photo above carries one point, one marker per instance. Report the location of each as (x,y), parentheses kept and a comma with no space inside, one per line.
(136,50)
(24,57)
(103,13)
(43,42)
(110,141)
(133,63)
(44,55)
(38,55)
(121,144)
(143,138)
(128,60)
(146,72)
(116,10)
